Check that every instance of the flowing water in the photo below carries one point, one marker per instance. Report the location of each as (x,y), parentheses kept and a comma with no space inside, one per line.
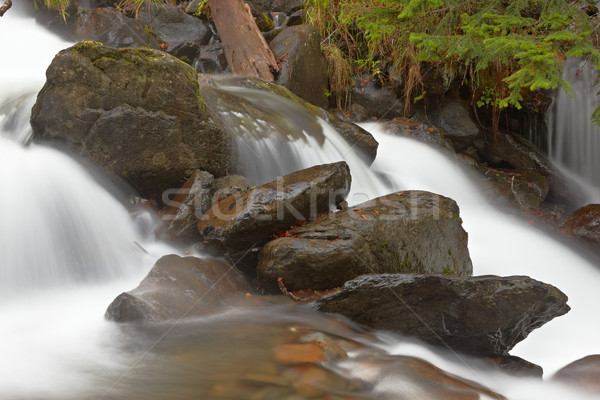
(574,140)
(68,247)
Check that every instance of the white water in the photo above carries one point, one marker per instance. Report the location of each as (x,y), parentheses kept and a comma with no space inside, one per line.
(574,140)
(54,339)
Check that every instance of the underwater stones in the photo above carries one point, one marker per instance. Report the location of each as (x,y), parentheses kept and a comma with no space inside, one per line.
(178,287)
(412,231)
(299,49)
(583,374)
(244,222)
(100,101)
(484,315)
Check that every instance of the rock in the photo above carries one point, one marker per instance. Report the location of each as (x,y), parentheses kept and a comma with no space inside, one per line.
(585,224)
(455,120)
(420,131)
(414,231)
(173,26)
(517,366)
(137,112)
(249,219)
(179,287)
(379,101)
(583,373)
(112,28)
(484,315)
(230,185)
(186,52)
(528,189)
(286,6)
(297,18)
(299,49)
(188,205)
(211,60)
(282,112)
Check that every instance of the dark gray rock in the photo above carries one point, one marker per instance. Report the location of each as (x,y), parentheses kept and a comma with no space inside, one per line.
(379,101)
(484,315)
(179,287)
(414,231)
(455,120)
(585,224)
(211,60)
(299,49)
(174,26)
(250,219)
(112,28)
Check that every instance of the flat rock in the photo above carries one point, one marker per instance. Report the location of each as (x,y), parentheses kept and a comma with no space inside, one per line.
(484,315)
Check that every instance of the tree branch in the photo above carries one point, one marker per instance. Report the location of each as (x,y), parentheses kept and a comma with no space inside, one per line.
(7,4)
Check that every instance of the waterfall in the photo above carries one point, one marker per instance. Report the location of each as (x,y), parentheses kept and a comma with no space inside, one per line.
(67,248)
(574,140)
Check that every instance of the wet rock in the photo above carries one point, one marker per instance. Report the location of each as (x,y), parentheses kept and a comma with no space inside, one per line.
(517,366)
(112,28)
(299,49)
(286,6)
(229,185)
(296,18)
(414,231)
(417,130)
(188,205)
(528,189)
(211,60)
(173,26)
(455,120)
(585,224)
(179,287)
(245,221)
(379,101)
(484,315)
(186,52)
(583,373)
(137,112)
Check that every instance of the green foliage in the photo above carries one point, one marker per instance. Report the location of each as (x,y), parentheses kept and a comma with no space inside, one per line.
(500,50)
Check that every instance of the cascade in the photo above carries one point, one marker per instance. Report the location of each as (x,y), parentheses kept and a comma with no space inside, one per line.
(574,140)
(67,248)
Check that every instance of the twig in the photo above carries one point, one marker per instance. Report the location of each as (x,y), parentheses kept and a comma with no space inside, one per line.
(7,4)
(286,293)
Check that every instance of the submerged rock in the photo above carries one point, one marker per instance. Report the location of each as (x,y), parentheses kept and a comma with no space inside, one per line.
(244,222)
(137,112)
(413,231)
(484,315)
(179,287)
(583,373)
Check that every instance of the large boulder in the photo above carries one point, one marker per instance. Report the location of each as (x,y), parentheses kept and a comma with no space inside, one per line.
(112,28)
(456,122)
(374,100)
(179,287)
(137,112)
(585,224)
(484,315)
(414,231)
(299,49)
(527,189)
(244,222)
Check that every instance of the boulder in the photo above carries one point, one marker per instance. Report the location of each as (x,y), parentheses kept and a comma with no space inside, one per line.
(137,112)
(422,132)
(173,25)
(179,287)
(286,6)
(583,374)
(414,231)
(244,222)
(455,120)
(299,49)
(112,28)
(377,100)
(585,224)
(484,315)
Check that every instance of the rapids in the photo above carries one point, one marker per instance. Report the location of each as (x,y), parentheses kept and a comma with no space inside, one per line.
(68,247)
